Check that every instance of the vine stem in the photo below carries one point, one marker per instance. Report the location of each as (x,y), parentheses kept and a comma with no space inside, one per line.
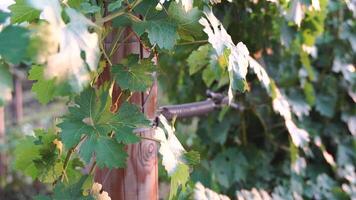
(91,171)
(110,17)
(66,161)
(193,42)
(118,13)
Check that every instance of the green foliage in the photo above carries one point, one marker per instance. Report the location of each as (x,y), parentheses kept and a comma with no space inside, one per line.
(39,157)
(92,120)
(3,16)
(162,33)
(22,12)
(134,75)
(198,59)
(43,88)
(114,5)
(13,44)
(71,192)
(178,180)
(243,149)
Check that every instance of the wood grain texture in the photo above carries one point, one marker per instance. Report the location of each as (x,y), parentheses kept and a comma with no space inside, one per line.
(139,180)
(18,100)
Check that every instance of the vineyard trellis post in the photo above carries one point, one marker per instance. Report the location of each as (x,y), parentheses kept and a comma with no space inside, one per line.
(139,180)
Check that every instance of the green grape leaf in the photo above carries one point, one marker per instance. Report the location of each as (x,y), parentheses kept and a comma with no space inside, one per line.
(88,8)
(192,157)
(229,166)
(38,157)
(128,118)
(3,16)
(5,84)
(160,32)
(91,117)
(178,180)
(188,22)
(109,153)
(208,76)
(22,12)
(75,3)
(325,105)
(134,75)
(43,88)
(114,5)
(25,153)
(71,192)
(13,44)
(198,59)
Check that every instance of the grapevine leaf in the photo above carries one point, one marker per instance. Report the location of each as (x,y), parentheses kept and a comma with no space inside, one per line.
(87,149)
(72,131)
(171,149)
(38,157)
(91,117)
(134,75)
(188,22)
(44,89)
(72,52)
(161,32)
(192,157)
(3,16)
(109,153)
(123,123)
(88,8)
(5,85)
(179,179)
(21,11)
(25,153)
(114,5)
(230,166)
(75,3)
(71,192)
(13,44)
(198,59)
(325,105)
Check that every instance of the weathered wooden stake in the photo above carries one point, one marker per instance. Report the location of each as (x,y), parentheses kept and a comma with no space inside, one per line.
(139,180)
(18,100)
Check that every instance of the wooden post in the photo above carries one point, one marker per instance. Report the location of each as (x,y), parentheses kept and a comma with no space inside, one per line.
(18,100)
(2,142)
(139,180)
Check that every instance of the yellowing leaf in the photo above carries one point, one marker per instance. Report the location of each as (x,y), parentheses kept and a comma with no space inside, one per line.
(202,193)
(97,193)
(71,39)
(238,56)
(59,145)
(171,149)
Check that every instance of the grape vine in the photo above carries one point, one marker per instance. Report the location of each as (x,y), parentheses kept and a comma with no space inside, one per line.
(68,48)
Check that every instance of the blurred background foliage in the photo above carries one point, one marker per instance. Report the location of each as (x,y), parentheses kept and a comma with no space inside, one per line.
(250,148)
